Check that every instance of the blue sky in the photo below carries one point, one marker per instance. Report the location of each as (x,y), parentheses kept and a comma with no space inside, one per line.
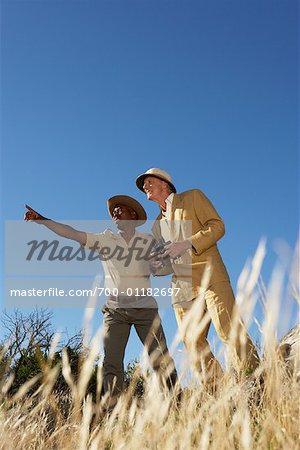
(95,92)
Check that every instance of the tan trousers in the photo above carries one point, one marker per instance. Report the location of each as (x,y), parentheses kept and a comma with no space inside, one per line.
(217,305)
(117,324)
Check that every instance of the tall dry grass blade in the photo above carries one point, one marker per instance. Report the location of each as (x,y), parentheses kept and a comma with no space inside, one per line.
(25,388)
(87,365)
(85,423)
(7,384)
(90,311)
(67,373)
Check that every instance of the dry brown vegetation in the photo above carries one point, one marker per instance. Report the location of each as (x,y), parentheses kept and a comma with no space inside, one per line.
(244,414)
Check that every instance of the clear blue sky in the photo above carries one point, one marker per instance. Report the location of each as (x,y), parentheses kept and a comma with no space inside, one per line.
(95,92)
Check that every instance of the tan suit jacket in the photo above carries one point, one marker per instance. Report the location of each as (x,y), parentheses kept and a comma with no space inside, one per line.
(195,219)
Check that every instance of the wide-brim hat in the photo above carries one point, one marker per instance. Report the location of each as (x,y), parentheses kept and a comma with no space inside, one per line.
(157,173)
(128,201)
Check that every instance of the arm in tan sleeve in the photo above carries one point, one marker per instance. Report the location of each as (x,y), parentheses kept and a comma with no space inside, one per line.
(212,226)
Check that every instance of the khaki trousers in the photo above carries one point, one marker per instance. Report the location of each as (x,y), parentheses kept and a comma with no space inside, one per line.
(117,324)
(217,305)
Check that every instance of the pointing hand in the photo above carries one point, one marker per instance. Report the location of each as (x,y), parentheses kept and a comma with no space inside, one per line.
(31,214)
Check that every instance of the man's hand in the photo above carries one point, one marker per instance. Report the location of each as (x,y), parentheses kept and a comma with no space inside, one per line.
(31,214)
(59,228)
(156,262)
(176,249)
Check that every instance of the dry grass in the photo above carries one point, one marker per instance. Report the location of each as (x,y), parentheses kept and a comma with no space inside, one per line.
(243,415)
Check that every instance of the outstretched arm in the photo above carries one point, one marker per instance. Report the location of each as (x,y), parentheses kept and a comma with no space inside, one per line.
(59,228)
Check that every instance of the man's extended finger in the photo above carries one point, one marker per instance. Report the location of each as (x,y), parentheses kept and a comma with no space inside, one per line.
(31,210)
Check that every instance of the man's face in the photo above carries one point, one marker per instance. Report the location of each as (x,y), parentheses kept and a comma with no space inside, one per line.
(154,188)
(123,212)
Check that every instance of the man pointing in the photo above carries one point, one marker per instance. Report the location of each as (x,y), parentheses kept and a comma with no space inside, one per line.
(127,279)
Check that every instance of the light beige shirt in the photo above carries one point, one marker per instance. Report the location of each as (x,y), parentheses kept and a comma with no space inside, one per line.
(126,265)
(165,223)
(182,271)
(169,201)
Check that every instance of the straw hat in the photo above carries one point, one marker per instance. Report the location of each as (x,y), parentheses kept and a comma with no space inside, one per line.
(127,201)
(157,173)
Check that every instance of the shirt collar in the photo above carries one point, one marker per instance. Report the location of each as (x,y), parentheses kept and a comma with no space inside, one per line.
(118,235)
(168,201)
(170,198)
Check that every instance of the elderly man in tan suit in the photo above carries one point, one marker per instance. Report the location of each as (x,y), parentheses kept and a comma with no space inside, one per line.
(190,222)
